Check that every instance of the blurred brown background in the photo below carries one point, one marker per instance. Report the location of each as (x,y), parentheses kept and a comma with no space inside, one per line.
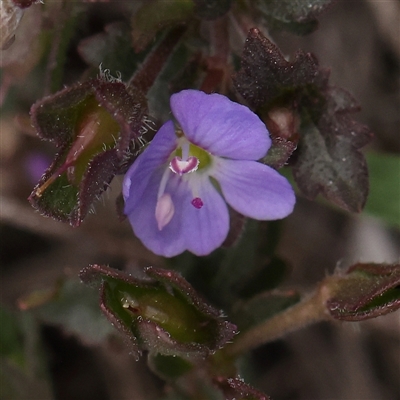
(360,41)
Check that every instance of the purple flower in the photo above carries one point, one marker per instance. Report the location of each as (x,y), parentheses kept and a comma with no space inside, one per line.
(176,191)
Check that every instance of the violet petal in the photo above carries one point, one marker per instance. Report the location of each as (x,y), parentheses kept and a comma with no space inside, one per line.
(220,126)
(170,241)
(204,228)
(254,189)
(198,230)
(155,155)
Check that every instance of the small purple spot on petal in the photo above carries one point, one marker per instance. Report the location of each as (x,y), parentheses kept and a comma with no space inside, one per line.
(197,203)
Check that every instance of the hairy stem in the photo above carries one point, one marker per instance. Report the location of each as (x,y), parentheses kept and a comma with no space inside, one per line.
(310,310)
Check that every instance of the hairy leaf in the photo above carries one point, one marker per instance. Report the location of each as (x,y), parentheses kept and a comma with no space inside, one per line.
(366,291)
(159,312)
(279,153)
(265,75)
(328,160)
(96,125)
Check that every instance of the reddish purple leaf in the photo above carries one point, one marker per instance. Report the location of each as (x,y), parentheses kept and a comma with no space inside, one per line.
(328,160)
(366,291)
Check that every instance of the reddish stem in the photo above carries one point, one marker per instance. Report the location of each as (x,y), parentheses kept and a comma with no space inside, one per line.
(218,68)
(154,63)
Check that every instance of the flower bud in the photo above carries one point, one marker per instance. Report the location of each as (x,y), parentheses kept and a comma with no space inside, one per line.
(94,124)
(160,313)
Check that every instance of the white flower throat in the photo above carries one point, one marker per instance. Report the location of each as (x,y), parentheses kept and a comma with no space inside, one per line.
(187,158)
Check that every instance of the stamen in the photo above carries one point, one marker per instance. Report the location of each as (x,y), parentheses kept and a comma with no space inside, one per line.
(163,183)
(165,210)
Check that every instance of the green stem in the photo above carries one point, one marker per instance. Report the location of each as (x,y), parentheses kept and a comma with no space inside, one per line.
(310,310)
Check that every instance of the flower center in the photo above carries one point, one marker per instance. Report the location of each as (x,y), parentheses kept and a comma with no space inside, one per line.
(181,167)
(187,158)
(186,149)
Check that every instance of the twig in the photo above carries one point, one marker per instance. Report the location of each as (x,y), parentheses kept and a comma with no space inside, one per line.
(308,311)
(154,63)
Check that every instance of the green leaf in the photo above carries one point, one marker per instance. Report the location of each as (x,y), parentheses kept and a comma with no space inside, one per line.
(11,344)
(329,163)
(75,309)
(249,266)
(239,262)
(23,370)
(60,198)
(384,197)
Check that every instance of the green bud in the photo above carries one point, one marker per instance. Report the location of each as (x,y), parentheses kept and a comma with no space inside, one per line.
(366,291)
(161,312)
(94,124)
